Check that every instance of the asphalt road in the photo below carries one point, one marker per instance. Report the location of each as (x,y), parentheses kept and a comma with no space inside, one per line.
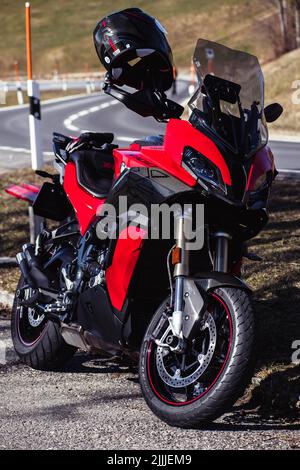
(54,84)
(101,113)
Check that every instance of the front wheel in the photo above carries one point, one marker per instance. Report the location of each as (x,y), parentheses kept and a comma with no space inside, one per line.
(197,385)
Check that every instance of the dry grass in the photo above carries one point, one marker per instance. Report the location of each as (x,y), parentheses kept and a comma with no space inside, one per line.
(280,76)
(275,281)
(277,298)
(11,96)
(14,213)
(62,31)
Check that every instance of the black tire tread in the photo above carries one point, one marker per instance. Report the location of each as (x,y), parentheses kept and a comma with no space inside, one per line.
(51,352)
(235,376)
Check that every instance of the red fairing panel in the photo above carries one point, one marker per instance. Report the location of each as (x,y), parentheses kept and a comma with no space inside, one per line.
(25,192)
(262,163)
(85,205)
(126,255)
(169,156)
(181,133)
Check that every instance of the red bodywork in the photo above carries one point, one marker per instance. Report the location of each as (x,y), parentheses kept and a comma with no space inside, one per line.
(263,162)
(168,158)
(85,205)
(125,257)
(25,192)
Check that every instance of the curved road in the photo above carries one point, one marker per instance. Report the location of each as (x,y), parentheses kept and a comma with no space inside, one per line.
(98,112)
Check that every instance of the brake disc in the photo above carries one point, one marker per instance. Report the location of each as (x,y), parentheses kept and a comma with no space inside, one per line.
(176,380)
(33,317)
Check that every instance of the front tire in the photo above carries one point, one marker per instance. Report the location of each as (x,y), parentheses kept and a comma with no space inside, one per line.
(225,374)
(38,342)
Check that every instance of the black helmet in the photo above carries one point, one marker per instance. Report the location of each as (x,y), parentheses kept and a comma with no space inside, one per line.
(133,48)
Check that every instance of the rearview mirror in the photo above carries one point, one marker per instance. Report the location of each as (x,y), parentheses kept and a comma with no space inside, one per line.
(273,112)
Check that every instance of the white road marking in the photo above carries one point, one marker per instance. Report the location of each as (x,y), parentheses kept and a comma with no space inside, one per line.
(289,171)
(69,121)
(126,139)
(289,139)
(14,149)
(19,150)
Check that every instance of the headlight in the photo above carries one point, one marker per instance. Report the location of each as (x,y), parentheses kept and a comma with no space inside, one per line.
(203,169)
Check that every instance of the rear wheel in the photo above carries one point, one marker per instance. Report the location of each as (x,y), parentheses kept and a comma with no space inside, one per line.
(38,341)
(195,386)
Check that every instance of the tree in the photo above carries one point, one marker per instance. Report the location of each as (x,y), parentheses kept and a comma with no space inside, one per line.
(283,19)
(297,22)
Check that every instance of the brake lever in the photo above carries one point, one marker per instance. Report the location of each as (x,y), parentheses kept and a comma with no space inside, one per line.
(45,174)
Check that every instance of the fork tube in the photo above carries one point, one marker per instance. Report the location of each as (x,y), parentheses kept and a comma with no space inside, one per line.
(221,251)
(181,271)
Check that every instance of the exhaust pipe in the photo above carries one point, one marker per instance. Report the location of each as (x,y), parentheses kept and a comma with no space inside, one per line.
(30,267)
(77,336)
(25,270)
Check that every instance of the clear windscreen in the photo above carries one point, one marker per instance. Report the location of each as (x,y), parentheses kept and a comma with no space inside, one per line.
(230,96)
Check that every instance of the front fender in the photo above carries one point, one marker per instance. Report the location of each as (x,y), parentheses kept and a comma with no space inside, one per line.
(196,298)
(210,280)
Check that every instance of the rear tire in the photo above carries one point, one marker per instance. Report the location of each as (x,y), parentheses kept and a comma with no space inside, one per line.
(229,384)
(47,350)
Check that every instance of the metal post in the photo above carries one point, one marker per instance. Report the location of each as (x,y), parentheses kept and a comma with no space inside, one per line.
(18,83)
(33,91)
(88,86)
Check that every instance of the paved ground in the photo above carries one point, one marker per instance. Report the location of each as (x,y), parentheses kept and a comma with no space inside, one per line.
(89,406)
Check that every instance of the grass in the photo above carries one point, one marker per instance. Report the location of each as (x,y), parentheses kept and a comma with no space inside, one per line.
(62,31)
(11,97)
(14,228)
(275,281)
(280,76)
(62,38)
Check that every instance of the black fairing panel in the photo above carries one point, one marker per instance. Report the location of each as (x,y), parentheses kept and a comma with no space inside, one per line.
(147,186)
(212,280)
(52,202)
(95,314)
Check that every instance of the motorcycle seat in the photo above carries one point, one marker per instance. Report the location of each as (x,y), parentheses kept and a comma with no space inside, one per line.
(94,171)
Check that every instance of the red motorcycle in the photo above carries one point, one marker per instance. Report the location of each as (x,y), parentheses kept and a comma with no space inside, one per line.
(183,315)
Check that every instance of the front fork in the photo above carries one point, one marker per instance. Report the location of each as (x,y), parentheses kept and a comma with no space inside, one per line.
(180,261)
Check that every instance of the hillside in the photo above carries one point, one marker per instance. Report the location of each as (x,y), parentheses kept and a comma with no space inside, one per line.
(62,30)
(62,38)
(280,75)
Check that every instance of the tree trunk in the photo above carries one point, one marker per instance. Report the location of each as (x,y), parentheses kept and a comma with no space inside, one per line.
(282,5)
(297,22)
